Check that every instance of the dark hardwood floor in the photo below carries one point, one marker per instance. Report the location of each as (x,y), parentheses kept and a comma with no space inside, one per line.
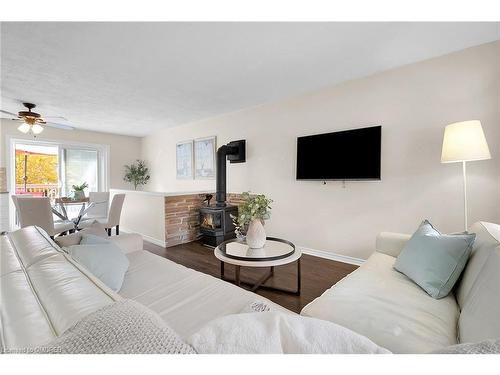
(318,274)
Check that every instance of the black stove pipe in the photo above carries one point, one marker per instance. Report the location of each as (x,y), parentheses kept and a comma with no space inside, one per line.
(236,151)
(220,195)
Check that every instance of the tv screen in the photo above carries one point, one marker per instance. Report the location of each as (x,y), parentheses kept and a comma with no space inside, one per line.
(343,155)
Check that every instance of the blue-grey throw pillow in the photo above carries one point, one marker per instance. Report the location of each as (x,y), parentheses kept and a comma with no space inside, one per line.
(434,261)
(105,261)
(92,239)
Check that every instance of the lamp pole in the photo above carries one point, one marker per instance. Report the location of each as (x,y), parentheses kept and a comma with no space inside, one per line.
(464,141)
(464,171)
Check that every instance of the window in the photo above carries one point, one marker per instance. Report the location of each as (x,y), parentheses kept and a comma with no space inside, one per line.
(51,168)
(36,170)
(80,166)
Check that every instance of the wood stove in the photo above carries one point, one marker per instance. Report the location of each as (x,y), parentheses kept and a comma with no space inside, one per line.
(216,224)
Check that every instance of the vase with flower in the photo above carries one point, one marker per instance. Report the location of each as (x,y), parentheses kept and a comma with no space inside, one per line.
(251,218)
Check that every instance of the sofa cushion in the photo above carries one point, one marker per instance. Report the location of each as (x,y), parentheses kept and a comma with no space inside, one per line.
(43,291)
(127,242)
(487,240)
(32,245)
(186,299)
(391,243)
(388,308)
(480,316)
(434,260)
(23,319)
(90,239)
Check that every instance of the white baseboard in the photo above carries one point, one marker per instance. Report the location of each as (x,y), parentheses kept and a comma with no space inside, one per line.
(316,253)
(155,241)
(332,256)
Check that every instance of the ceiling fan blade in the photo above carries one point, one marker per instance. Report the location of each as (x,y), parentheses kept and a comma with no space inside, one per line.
(58,126)
(56,117)
(8,113)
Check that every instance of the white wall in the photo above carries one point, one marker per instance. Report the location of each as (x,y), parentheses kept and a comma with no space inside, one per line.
(412,103)
(123,149)
(143,213)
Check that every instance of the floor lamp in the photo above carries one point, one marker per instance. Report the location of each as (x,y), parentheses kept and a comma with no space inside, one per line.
(463,142)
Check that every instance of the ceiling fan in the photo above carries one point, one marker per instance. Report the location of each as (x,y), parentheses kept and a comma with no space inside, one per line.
(33,122)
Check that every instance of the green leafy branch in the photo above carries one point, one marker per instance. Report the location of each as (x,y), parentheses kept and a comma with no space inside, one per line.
(255,207)
(137,173)
(81,187)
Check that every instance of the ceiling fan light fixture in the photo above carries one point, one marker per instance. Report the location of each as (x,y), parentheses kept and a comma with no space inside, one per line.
(24,128)
(37,129)
(32,122)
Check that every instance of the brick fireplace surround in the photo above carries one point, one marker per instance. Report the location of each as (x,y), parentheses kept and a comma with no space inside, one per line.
(182,222)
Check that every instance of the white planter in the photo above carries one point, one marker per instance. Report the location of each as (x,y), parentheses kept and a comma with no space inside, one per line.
(256,235)
(79,194)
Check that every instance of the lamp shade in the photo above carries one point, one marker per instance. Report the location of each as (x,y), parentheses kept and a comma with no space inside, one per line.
(464,141)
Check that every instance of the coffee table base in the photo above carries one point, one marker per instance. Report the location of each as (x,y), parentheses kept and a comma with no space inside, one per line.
(260,283)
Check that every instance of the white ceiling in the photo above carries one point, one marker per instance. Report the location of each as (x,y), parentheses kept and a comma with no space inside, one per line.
(135,78)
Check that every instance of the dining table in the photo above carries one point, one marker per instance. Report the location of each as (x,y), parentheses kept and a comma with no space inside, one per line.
(61,206)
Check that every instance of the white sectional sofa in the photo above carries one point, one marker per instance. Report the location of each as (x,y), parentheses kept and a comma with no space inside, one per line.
(388,308)
(43,292)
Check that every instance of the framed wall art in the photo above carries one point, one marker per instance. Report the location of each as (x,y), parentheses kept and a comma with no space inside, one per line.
(184,160)
(204,157)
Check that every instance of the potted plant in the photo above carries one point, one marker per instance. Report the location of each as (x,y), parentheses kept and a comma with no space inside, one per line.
(79,190)
(251,216)
(137,173)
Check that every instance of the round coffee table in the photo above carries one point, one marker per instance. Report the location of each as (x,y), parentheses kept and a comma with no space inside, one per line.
(276,252)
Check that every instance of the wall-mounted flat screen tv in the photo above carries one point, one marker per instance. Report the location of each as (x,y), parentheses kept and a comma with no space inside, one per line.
(343,155)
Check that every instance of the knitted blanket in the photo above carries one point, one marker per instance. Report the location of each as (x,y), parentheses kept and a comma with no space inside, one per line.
(483,347)
(125,327)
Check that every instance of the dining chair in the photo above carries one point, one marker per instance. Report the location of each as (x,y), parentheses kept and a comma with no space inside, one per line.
(113,218)
(100,201)
(21,196)
(37,211)
(15,197)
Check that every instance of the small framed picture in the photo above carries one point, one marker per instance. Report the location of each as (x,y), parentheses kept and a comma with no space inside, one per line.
(204,157)
(184,154)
